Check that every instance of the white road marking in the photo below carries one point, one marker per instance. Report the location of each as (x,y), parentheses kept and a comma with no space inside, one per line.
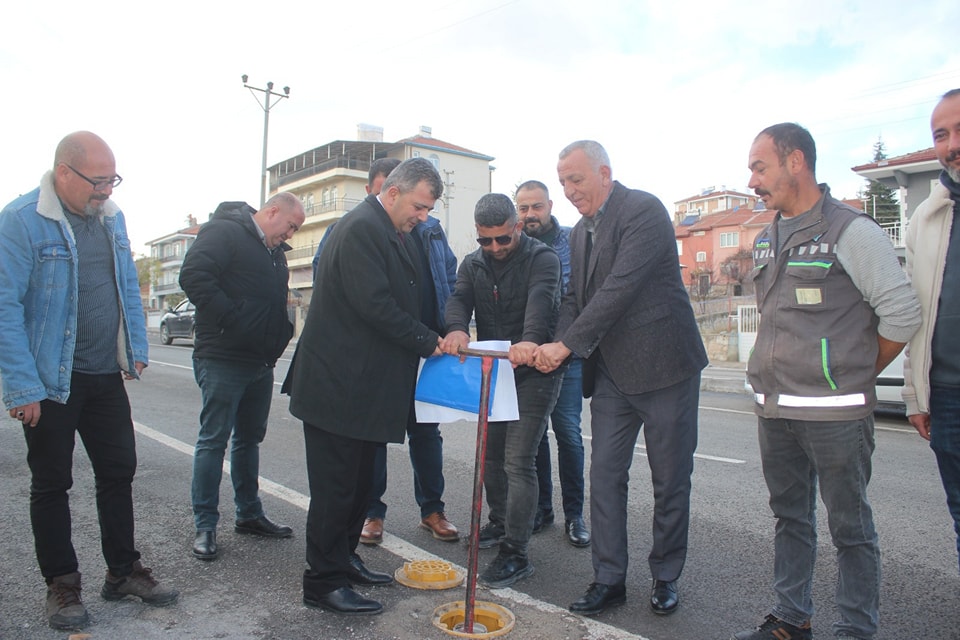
(402,548)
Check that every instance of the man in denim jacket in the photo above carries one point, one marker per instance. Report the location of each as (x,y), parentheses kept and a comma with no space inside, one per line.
(71,329)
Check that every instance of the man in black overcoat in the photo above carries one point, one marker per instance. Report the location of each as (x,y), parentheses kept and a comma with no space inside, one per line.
(354,373)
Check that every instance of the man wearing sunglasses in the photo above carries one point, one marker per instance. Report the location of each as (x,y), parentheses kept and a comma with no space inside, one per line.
(71,331)
(512,285)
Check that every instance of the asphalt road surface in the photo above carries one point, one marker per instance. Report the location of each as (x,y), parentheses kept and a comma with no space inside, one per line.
(253,589)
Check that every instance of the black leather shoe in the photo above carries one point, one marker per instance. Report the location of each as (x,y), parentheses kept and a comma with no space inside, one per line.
(263,527)
(577,533)
(664,599)
(599,598)
(205,545)
(345,601)
(510,565)
(542,519)
(359,574)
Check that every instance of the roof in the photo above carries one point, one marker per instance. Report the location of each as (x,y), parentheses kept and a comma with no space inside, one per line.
(923,155)
(188,231)
(440,145)
(362,152)
(911,163)
(740,217)
(707,194)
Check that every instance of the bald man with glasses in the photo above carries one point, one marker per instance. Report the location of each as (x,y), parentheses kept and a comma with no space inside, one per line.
(70,295)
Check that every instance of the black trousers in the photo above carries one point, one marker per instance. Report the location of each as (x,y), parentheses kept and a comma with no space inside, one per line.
(99,410)
(340,473)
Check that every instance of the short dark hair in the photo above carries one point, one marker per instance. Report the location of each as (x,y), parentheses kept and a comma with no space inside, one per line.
(532,184)
(494,210)
(788,137)
(951,93)
(412,172)
(381,167)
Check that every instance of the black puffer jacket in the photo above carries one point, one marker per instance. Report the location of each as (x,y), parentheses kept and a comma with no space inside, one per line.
(520,303)
(239,288)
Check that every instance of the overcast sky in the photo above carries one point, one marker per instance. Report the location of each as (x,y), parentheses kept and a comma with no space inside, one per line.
(675,91)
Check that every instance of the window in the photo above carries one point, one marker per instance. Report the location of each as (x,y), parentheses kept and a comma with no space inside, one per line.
(730,239)
(701,256)
(435,159)
(679,247)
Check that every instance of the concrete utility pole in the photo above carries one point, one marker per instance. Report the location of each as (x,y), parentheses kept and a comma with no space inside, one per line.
(267,94)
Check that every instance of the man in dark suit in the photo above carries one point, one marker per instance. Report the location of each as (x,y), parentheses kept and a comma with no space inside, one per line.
(354,372)
(627,314)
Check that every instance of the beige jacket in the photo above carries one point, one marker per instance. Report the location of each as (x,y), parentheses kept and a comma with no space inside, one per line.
(928,231)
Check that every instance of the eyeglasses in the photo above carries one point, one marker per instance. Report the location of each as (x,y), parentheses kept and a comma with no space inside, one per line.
(500,240)
(98,185)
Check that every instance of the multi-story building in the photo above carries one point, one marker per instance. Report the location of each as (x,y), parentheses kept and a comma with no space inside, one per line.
(167,252)
(330,181)
(716,249)
(710,200)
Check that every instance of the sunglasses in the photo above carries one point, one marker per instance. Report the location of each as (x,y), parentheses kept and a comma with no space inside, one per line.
(500,240)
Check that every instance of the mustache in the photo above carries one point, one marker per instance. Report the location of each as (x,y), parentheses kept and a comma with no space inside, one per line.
(953,155)
(761,192)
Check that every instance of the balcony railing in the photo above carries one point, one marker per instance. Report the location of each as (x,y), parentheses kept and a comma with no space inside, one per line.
(895,231)
(340,204)
(301,252)
(339,162)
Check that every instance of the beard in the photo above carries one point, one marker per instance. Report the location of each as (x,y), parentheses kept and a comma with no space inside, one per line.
(94,207)
(953,173)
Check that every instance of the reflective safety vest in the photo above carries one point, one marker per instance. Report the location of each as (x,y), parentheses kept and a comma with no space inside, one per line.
(816,349)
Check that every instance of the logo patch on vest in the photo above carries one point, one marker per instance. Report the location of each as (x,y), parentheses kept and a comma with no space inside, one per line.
(808,295)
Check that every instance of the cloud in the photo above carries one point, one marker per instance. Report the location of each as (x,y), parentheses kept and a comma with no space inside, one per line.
(675,91)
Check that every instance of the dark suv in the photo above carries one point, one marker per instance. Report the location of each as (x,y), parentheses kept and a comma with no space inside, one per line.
(177,322)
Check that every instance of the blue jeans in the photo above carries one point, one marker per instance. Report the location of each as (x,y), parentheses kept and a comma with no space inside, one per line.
(798,455)
(99,410)
(426,457)
(945,442)
(510,477)
(565,420)
(236,400)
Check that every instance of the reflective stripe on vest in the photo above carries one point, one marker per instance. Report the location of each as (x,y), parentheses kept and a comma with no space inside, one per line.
(849,400)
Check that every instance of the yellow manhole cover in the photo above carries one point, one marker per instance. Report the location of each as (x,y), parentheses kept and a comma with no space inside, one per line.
(429,574)
(490,620)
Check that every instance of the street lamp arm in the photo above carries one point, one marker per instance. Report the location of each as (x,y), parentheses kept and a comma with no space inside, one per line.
(268,92)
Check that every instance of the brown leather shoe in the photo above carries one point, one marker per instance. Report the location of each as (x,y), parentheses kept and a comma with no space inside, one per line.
(372,531)
(438,525)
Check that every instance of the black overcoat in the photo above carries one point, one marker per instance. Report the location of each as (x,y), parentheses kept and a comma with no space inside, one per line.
(356,362)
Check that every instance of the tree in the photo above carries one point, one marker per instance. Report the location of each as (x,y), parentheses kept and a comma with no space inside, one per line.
(148,270)
(880,201)
(736,268)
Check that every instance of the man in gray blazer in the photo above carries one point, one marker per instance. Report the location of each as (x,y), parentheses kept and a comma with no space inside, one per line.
(627,314)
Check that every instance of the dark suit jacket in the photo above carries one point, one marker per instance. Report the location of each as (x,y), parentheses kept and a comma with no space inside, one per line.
(629,304)
(356,363)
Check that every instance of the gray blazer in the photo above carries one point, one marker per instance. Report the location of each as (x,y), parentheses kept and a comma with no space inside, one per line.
(629,305)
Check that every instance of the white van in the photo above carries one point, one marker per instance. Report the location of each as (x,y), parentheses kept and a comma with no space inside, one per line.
(889,385)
